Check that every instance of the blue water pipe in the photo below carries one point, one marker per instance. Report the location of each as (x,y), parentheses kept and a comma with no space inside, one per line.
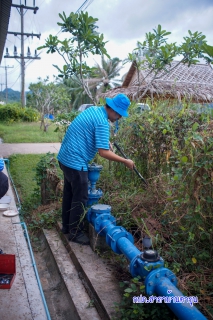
(93,175)
(29,245)
(148,265)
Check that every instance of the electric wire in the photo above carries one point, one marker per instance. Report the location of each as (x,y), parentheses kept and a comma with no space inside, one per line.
(81,7)
(15,14)
(14,17)
(89,4)
(26,65)
(15,81)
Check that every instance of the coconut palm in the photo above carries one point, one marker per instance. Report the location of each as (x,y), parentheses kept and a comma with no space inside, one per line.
(102,78)
(77,93)
(106,73)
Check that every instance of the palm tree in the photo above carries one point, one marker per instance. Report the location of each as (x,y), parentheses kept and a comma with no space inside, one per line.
(77,93)
(106,74)
(102,78)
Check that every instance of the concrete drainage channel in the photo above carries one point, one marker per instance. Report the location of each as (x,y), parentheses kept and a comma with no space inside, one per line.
(76,282)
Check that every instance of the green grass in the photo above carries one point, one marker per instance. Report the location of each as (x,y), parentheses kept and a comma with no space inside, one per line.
(22,169)
(27,132)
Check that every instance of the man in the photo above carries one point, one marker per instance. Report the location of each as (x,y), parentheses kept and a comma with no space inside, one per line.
(88,134)
(4,185)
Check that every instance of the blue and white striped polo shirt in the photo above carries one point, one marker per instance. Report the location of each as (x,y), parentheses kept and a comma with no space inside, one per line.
(86,134)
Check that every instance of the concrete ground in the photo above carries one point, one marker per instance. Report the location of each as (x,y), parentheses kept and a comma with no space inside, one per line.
(23,300)
(7,149)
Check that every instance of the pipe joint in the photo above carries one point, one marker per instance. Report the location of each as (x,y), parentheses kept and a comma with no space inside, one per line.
(99,215)
(114,235)
(102,222)
(93,175)
(154,278)
(93,196)
(97,210)
(141,267)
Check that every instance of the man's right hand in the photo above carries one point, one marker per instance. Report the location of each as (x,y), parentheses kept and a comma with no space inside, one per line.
(129,164)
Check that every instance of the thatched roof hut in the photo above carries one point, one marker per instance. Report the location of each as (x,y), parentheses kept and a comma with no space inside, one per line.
(193,83)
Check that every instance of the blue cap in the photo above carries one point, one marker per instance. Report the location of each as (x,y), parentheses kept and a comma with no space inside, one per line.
(119,104)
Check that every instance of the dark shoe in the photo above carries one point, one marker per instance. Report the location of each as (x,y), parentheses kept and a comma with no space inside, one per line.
(80,238)
(64,230)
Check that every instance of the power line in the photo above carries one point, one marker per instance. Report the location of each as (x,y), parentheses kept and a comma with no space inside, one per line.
(11,72)
(20,8)
(15,81)
(83,5)
(89,4)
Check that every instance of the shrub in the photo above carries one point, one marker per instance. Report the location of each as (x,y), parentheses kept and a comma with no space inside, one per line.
(173,150)
(15,112)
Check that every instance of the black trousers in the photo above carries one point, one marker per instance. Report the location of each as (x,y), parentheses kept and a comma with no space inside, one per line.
(75,195)
(4,184)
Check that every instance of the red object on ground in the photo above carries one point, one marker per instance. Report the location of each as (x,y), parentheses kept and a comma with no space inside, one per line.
(7,269)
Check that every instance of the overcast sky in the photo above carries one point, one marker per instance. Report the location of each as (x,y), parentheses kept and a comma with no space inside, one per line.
(122,22)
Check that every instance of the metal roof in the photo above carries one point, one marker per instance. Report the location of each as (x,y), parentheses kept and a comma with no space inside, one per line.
(5,7)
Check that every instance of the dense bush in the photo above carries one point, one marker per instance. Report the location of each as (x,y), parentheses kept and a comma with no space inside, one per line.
(15,112)
(173,150)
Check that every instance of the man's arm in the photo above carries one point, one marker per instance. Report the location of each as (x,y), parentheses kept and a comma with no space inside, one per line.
(109,155)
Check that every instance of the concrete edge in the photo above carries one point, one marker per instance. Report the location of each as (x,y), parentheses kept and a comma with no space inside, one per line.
(101,284)
(70,276)
(28,273)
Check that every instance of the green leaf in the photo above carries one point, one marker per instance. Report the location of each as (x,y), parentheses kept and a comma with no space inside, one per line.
(208,49)
(198,138)
(184,159)
(121,284)
(195,126)
(194,260)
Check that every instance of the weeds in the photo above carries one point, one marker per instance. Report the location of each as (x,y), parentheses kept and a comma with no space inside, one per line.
(128,310)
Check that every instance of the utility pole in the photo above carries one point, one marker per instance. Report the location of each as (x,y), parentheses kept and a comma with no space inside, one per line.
(1,84)
(6,67)
(22,58)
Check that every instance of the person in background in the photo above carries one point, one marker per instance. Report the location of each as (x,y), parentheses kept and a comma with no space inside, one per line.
(4,184)
(88,134)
